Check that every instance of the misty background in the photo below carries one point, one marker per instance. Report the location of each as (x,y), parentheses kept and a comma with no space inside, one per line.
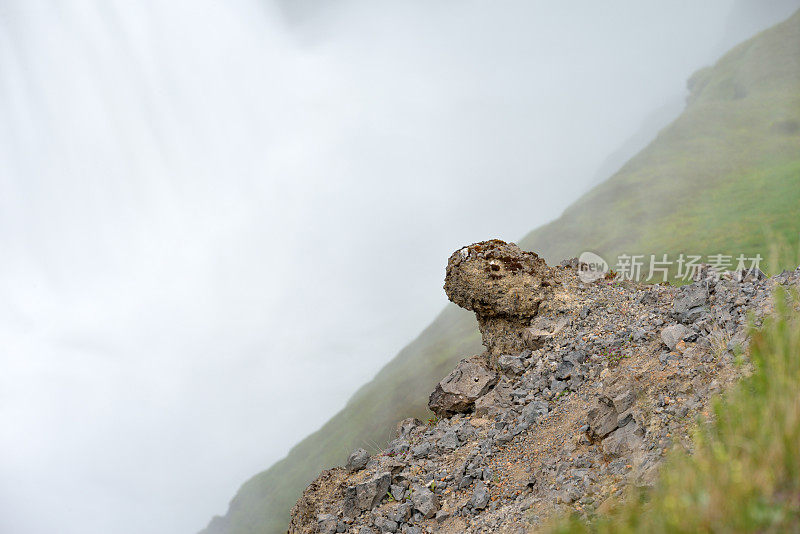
(218,219)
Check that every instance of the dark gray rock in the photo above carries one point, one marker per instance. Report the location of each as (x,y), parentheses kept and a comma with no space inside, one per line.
(602,418)
(623,441)
(564,370)
(533,411)
(425,501)
(674,334)
(480,497)
(511,364)
(402,513)
(459,390)
(423,450)
(398,492)
(366,495)
(357,460)
(327,523)
(449,441)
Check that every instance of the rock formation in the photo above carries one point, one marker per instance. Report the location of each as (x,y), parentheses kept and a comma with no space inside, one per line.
(505,287)
(583,389)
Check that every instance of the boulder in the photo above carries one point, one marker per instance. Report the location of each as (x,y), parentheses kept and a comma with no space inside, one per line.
(424,501)
(495,278)
(459,390)
(689,305)
(505,287)
(480,496)
(624,440)
(496,401)
(511,364)
(671,335)
(602,418)
(357,460)
(366,495)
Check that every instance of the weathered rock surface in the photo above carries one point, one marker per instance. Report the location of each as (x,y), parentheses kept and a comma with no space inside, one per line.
(425,502)
(511,364)
(327,523)
(690,304)
(566,407)
(497,278)
(480,496)
(505,287)
(497,400)
(366,495)
(459,390)
(672,335)
(602,419)
(357,460)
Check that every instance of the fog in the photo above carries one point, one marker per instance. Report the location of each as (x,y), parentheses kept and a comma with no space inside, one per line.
(219,219)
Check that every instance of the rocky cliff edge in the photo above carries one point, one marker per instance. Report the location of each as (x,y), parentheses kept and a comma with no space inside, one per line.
(582,389)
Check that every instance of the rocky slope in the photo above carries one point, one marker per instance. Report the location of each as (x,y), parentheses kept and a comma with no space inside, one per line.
(582,388)
(722,178)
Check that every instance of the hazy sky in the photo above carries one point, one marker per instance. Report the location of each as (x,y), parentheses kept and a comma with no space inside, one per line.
(218,219)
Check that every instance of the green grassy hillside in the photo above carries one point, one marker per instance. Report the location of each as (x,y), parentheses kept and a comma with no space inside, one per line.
(723,178)
(717,180)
